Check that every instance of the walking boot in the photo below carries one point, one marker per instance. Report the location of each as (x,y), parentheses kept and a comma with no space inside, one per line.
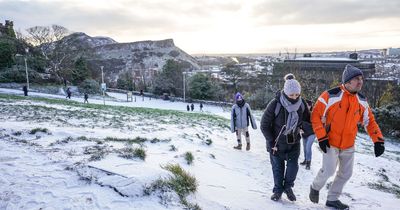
(248,146)
(238,147)
(290,194)
(308,164)
(276,196)
(314,195)
(303,163)
(336,204)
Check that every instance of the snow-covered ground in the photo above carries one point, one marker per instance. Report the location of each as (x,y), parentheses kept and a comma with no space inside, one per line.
(76,163)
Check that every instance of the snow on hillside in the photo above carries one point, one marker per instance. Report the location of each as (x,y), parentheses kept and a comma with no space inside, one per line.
(76,160)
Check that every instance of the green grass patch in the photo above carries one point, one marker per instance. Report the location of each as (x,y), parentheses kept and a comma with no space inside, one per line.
(389,188)
(189,158)
(17,133)
(62,141)
(208,142)
(43,130)
(180,181)
(131,153)
(150,113)
(172,148)
(137,140)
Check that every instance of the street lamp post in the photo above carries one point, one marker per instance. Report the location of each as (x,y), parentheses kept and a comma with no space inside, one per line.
(26,67)
(184,84)
(103,84)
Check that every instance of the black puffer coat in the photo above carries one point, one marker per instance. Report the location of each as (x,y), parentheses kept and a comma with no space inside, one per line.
(271,125)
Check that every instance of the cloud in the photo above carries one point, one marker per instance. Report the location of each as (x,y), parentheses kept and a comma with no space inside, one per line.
(301,12)
(219,25)
(141,16)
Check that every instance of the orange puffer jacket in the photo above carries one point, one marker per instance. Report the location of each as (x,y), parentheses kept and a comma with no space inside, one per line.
(336,115)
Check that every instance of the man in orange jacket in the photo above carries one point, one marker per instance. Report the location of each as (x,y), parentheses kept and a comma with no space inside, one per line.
(335,117)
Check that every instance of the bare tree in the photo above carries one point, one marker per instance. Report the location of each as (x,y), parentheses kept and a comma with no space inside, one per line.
(46,38)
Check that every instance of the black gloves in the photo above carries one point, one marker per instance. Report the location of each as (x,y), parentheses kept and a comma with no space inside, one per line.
(323,144)
(379,148)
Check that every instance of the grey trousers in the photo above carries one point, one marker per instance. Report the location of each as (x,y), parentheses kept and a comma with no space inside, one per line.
(242,131)
(330,160)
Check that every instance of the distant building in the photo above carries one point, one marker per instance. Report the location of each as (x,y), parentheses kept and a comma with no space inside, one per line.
(319,73)
(393,52)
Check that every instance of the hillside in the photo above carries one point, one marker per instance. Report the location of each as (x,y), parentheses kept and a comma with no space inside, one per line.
(121,57)
(85,161)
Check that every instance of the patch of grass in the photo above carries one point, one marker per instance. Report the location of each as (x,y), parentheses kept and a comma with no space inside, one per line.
(43,130)
(97,152)
(62,141)
(130,153)
(394,189)
(173,148)
(385,184)
(137,140)
(189,158)
(82,138)
(17,133)
(198,136)
(190,206)
(155,140)
(208,142)
(139,153)
(122,110)
(181,182)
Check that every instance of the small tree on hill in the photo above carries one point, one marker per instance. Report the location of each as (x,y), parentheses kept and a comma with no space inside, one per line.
(201,87)
(81,71)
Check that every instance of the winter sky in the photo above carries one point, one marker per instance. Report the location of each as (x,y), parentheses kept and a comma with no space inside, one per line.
(234,26)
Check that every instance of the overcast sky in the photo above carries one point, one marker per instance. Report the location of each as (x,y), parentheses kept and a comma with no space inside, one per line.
(230,26)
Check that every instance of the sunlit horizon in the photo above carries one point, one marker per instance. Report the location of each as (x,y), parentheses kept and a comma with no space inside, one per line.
(222,27)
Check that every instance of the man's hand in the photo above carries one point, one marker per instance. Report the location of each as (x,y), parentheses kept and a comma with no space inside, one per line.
(323,144)
(379,148)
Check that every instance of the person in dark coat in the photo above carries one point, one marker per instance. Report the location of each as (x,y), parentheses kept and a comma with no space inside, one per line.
(68,93)
(86,96)
(280,125)
(201,106)
(192,107)
(308,137)
(188,107)
(25,89)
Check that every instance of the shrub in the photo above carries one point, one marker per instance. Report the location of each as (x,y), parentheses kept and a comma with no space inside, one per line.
(139,153)
(17,133)
(130,153)
(182,182)
(173,148)
(137,140)
(189,158)
(89,86)
(35,130)
(13,75)
(208,141)
(388,119)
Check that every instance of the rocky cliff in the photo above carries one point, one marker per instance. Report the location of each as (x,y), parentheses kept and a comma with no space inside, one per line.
(122,57)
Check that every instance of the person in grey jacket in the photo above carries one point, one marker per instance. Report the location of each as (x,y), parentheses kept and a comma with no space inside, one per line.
(241,117)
